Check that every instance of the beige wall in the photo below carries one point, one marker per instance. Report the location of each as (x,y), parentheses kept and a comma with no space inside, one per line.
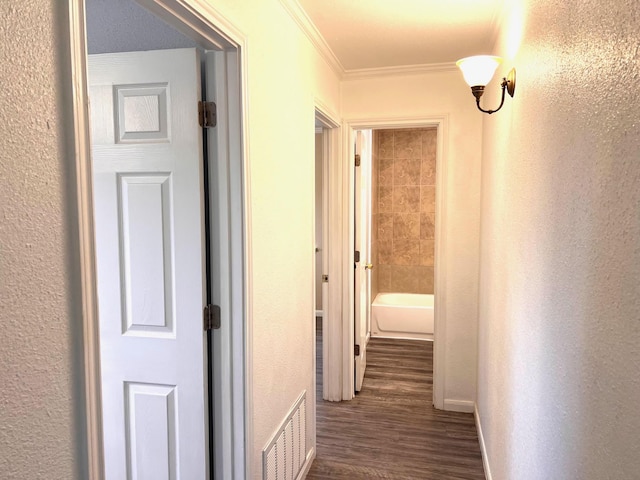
(40,371)
(442,94)
(559,330)
(405,219)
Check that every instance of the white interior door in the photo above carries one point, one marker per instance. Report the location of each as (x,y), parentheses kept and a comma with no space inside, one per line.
(148,188)
(362,301)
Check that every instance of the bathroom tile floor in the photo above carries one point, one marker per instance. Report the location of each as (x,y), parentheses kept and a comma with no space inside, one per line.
(391,430)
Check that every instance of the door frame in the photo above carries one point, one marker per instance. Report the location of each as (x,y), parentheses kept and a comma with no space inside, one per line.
(362,143)
(440,268)
(332,256)
(204,24)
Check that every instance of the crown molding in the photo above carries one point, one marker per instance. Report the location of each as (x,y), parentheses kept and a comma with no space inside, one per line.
(298,14)
(363,73)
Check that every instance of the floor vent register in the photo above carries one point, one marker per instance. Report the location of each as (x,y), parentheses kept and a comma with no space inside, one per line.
(285,454)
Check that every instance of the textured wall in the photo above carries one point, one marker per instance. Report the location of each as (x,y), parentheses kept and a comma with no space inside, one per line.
(37,404)
(559,332)
(406,194)
(442,94)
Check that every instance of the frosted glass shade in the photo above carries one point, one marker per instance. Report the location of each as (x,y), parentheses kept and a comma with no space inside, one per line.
(478,70)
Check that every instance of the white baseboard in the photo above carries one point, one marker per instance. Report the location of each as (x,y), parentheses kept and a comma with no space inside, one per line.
(319,313)
(483,448)
(307,464)
(465,406)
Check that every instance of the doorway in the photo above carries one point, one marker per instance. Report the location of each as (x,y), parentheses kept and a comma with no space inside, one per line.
(364,255)
(328,261)
(226,224)
(394,232)
(351,126)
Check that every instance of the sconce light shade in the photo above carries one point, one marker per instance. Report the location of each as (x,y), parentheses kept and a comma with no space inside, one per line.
(478,70)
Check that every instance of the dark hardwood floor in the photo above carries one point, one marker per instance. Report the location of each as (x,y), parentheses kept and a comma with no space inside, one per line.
(391,430)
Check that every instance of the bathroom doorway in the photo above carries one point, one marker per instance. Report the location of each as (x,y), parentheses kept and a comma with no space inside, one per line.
(399,375)
(363,255)
(407,219)
(394,232)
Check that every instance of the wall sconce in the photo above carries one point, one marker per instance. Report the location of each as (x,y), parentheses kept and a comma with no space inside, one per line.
(479,70)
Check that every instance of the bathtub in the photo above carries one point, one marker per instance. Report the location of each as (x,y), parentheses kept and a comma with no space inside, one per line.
(402,315)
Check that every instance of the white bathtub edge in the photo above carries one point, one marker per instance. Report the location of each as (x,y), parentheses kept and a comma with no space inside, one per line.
(395,319)
(424,337)
(379,299)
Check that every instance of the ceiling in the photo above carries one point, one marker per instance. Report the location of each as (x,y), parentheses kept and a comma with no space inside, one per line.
(367,34)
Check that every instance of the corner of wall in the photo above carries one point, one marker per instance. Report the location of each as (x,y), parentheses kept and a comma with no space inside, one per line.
(481,441)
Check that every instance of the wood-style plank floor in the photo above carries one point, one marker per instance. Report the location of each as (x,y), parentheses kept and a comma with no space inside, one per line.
(391,430)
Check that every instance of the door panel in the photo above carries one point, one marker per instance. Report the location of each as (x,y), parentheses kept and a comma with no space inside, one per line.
(148,188)
(146,224)
(151,435)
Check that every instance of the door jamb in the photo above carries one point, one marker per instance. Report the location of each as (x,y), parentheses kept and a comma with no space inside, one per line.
(332,239)
(202,22)
(347,185)
(364,172)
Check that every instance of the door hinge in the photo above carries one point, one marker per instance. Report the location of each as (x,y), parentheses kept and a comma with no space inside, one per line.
(356,256)
(211,317)
(357,159)
(207,115)
(356,350)
(325,278)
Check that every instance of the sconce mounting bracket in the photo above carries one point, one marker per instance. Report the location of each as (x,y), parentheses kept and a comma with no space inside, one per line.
(511,82)
(508,85)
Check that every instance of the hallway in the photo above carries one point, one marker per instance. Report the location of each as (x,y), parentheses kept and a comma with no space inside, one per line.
(391,430)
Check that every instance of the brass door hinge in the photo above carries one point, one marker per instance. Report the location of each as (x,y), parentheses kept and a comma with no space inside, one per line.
(356,350)
(207,116)
(357,159)
(211,316)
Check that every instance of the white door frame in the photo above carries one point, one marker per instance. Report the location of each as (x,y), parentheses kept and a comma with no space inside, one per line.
(332,256)
(362,242)
(204,24)
(440,268)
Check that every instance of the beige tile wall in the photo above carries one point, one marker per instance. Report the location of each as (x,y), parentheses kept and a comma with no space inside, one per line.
(403,209)
(374,214)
